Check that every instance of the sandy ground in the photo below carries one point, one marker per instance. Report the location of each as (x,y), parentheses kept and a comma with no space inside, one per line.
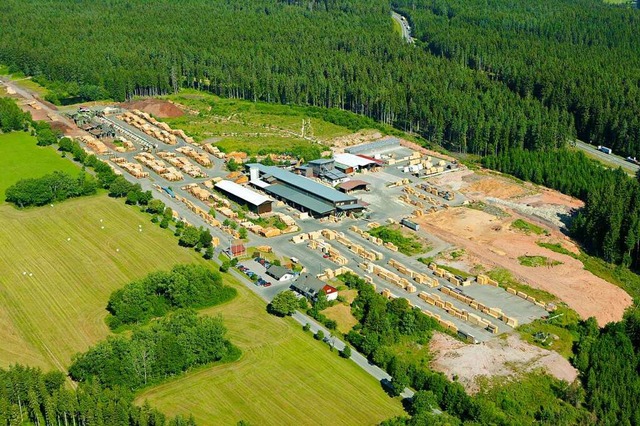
(497,358)
(492,242)
(156,107)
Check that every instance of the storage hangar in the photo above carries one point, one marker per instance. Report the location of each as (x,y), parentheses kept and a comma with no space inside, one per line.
(257,203)
(302,193)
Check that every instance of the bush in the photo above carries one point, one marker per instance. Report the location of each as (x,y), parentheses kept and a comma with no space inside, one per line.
(319,335)
(224,267)
(346,352)
(306,327)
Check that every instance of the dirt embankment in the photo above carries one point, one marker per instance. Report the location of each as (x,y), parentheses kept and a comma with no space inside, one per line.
(508,357)
(156,107)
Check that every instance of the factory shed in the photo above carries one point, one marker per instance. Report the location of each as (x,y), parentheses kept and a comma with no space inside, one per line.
(300,200)
(353,185)
(355,161)
(244,196)
(345,169)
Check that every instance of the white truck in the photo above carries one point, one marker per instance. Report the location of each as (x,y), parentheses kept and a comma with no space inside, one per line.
(604,149)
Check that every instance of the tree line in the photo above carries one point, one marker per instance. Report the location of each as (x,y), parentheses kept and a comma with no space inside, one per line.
(609,223)
(54,187)
(12,117)
(29,396)
(185,286)
(577,56)
(160,350)
(339,54)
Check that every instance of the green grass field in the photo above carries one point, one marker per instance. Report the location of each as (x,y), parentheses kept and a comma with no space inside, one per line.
(21,158)
(283,377)
(59,310)
(248,126)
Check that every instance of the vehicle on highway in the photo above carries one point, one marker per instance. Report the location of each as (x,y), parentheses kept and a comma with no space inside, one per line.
(605,149)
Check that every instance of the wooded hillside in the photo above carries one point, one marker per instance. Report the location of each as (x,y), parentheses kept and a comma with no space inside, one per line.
(333,53)
(580,56)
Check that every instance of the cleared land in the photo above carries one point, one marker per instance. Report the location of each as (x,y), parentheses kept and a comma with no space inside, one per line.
(59,310)
(21,158)
(253,127)
(510,357)
(491,241)
(283,377)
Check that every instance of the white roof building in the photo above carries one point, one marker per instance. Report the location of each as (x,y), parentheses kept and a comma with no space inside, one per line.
(353,160)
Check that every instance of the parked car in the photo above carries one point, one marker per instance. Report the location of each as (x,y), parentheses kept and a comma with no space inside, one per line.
(326,256)
(267,284)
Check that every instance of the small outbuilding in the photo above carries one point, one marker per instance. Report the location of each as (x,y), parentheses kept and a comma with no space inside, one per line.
(280,273)
(353,185)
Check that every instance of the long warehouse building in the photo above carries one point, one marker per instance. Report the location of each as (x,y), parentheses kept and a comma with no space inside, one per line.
(302,193)
(257,203)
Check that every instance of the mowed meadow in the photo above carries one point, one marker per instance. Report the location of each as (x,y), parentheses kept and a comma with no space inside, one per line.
(59,266)
(283,377)
(21,158)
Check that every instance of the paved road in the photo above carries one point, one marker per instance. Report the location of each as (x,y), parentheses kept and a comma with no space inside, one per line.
(406,32)
(608,158)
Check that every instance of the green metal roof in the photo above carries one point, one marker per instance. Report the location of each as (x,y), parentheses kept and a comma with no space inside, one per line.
(303,183)
(299,198)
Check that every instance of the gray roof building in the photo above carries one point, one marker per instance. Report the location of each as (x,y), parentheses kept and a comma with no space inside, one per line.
(279,272)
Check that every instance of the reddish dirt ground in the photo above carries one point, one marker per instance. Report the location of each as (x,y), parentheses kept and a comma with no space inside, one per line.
(156,107)
(493,243)
(508,357)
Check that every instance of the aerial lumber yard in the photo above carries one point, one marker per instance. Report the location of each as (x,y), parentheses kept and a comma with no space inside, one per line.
(223,221)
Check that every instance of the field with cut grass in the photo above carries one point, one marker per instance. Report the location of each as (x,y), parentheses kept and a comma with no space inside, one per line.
(53,291)
(283,377)
(21,158)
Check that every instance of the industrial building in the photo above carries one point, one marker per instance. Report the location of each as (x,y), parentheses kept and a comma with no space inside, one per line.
(325,169)
(257,203)
(302,193)
(353,185)
(356,162)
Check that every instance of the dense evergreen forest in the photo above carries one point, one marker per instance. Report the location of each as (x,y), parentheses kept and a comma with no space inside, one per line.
(580,56)
(333,53)
(29,396)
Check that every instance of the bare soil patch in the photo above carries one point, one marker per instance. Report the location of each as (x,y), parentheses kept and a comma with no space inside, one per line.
(492,243)
(508,357)
(157,107)
(495,187)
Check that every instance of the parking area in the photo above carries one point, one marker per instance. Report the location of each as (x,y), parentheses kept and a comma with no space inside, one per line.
(256,270)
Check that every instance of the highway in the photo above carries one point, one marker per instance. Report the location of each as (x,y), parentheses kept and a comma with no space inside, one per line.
(609,159)
(406,32)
